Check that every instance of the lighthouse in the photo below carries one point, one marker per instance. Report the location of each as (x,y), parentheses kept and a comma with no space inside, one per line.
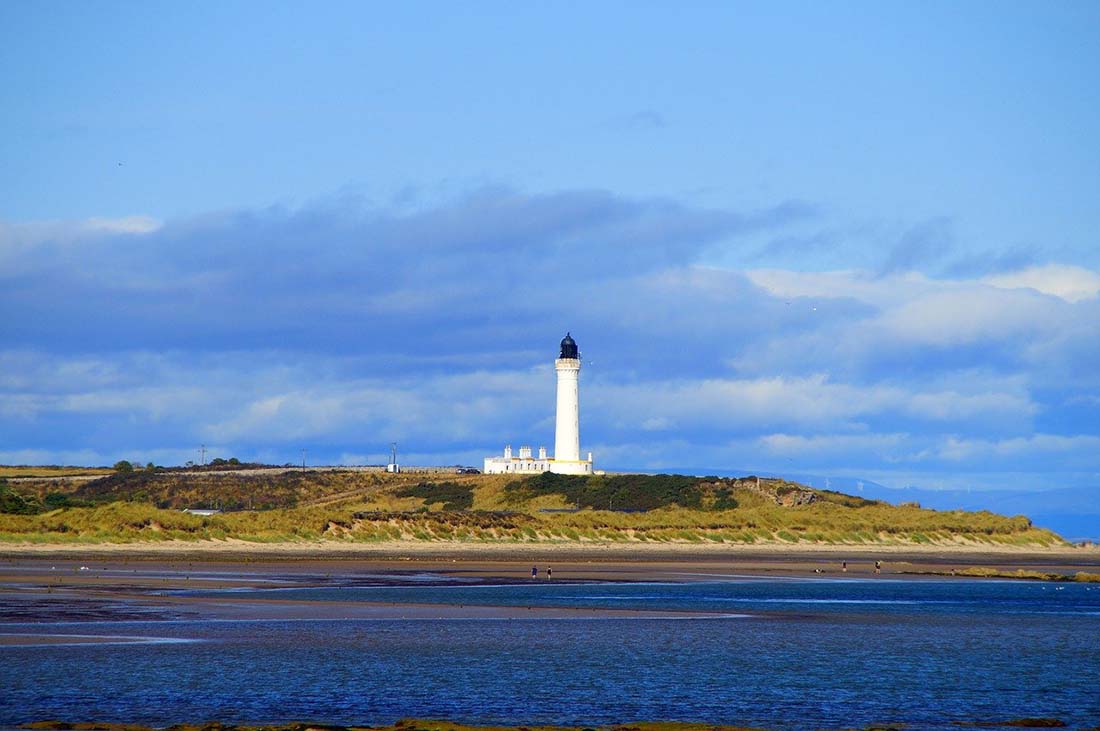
(567,429)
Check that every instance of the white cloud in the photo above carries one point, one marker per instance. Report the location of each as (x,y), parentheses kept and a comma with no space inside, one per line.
(124,225)
(830,444)
(752,404)
(1071,283)
(952,405)
(1067,282)
(28,235)
(352,327)
(234,400)
(865,286)
(657,424)
(865,328)
(24,247)
(958,316)
(957,449)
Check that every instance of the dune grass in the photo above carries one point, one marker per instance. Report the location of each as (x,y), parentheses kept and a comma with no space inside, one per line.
(129,522)
(370,507)
(995,573)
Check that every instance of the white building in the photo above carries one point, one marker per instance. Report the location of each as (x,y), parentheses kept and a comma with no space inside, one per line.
(567,438)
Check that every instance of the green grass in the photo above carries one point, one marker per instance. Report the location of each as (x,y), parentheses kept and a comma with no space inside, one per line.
(372,507)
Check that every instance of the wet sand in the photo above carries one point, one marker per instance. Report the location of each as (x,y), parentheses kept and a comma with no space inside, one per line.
(614,561)
(144,571)
(35,640)
(75,606)
(109,586)
(52,590)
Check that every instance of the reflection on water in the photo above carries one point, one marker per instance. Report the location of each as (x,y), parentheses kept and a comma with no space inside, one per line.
(814,654)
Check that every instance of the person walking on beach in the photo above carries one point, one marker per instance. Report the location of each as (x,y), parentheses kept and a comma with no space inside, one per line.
(844,566)
(534,572)
(878,567)
(549,573)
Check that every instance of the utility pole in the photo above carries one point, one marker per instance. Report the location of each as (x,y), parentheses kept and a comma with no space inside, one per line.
(303,459)
(202,455)
(393,466)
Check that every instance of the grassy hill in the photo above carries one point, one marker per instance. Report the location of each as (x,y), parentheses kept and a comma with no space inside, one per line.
(277,505)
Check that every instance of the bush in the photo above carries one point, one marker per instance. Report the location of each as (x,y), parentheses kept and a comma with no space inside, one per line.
(123,466)
(56,500)
(13,503)
(451,494)
(724,499)
(615,492)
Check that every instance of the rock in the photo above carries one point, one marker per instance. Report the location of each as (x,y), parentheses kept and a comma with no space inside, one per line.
(1015,723)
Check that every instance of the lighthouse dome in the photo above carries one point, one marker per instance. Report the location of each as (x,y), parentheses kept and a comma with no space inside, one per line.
(568,347)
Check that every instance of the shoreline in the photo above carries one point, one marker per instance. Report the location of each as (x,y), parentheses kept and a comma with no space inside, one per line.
(135,572)
(87,585)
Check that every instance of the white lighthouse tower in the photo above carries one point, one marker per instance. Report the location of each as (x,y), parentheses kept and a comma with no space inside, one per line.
(567,430)
(567,434)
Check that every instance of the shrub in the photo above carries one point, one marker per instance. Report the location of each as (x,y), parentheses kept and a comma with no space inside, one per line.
(614,492)
(724,499)
(13,503)
(453,495)
(56,500)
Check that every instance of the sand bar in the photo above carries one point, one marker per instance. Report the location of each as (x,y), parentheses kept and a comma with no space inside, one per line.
(37,640)
(586,550)
(128,585)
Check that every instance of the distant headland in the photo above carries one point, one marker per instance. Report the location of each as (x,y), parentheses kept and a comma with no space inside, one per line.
(264,505)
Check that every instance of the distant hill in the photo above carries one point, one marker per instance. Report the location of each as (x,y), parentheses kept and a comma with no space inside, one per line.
(356,505)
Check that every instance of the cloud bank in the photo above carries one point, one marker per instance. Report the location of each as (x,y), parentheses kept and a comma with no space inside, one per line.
(341,326)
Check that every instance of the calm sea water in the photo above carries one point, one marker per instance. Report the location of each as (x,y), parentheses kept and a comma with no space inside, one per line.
(797,654)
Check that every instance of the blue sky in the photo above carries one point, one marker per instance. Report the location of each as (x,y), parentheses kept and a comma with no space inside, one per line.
(851,239)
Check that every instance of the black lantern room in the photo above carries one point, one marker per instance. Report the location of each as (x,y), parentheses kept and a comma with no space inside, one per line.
(568,347)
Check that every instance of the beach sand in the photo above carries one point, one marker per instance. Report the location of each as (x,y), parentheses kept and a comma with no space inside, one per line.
(147,589)
(242,564)
(142,581)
